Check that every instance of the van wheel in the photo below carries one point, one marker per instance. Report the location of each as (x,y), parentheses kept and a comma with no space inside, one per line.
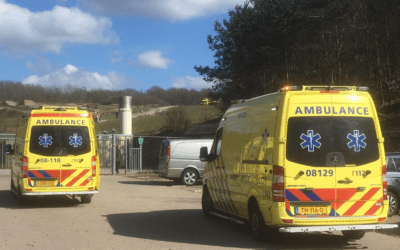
(86,199)
(257,223)
(206,203)
(189,177)
(353,234)
(393,204)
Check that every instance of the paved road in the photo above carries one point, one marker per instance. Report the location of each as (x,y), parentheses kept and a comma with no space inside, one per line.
(143,213)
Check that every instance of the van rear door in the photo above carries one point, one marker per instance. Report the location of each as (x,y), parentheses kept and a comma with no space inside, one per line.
(310,175)
(359,178)
(44,164)
(76,165)
(61,157)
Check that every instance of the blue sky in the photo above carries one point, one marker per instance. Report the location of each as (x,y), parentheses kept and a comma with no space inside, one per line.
(108,44)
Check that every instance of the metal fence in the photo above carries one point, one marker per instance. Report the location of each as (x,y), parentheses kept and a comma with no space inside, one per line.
(115,153)
(135,159)
(6,160)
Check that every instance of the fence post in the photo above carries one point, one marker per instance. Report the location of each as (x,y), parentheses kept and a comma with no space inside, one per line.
(140,158)
(126,153)
(113,151)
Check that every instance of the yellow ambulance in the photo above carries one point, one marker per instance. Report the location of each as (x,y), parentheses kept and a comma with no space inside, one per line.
(304,159)
(55,153)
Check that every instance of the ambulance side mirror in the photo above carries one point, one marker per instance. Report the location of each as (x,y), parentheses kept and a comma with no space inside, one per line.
(204,154)
(8,149)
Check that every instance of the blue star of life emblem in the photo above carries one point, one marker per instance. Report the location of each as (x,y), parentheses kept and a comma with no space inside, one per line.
(310,140)
(45,140)
(75,140)
(356,140)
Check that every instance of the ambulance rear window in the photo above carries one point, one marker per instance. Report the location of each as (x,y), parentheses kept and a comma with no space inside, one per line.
(45,140)
(310,140)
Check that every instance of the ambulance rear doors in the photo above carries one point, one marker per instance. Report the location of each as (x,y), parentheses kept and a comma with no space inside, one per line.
(332,161)
(60,152)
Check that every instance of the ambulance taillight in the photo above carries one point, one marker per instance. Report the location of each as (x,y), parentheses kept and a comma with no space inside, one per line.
(24,169)
(93,166)
(384,183)
(278,184)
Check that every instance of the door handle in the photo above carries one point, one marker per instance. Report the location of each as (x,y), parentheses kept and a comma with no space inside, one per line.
(67,165)
(345,181)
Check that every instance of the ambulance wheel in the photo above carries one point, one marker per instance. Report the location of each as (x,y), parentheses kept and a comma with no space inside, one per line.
(189,177)
(257,223)
(206,203)
(353,234)
(86,199)
(393,204)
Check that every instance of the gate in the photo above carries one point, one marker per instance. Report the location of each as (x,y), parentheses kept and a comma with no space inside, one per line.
(6,160)
(114,152)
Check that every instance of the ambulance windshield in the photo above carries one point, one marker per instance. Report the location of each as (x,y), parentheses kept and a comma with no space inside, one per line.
(312,140)
(45,140)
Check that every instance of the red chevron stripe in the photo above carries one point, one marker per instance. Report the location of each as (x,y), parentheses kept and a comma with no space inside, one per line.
(84,183)
(299,195)
(361,202)
(374,208)
(37,174)
(344,194)
(82,174)
(338,204)
(53,173)
(326,194)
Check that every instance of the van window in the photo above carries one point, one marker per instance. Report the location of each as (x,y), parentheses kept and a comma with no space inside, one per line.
(186,150)
(393,164)
(216,148)
(310,139)
(46,139)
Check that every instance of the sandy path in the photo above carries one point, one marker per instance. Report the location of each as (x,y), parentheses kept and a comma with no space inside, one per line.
(151,112)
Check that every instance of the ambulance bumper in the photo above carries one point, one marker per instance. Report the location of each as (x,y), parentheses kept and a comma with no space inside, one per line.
(335,228)
(61,193)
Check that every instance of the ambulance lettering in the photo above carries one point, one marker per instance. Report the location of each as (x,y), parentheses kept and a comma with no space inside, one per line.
(60,122)
(318,110)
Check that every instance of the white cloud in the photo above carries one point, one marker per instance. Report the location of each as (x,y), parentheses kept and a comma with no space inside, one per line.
(76,77)
(152,59)
(162,9)
(24,31)
(190,82)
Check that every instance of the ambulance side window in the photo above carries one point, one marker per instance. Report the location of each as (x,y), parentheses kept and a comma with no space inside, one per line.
(216,148)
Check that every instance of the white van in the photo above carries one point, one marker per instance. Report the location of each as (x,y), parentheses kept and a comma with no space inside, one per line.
(179,160)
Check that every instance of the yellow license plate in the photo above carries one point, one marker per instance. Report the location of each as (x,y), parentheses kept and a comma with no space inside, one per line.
(46,183)
(311,210)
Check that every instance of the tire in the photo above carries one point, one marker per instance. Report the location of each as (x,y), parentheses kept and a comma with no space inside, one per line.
(393,204)
(353,234)
(86,199)
(206,203)
(189,177)
(257,223)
